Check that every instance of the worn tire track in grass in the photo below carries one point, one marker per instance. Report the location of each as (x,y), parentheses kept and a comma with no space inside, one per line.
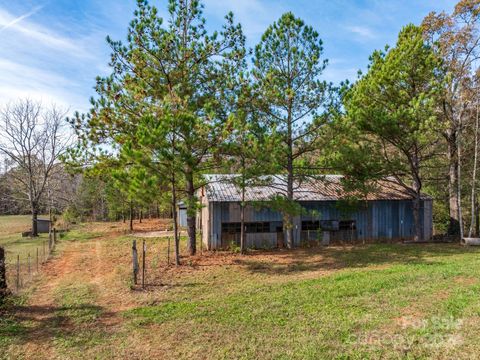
(67,303)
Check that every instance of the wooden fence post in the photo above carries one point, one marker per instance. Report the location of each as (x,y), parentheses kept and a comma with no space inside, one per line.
(143,263)
(28,263)
(168,252)
(50,234)
(135,261)
(18,272)
(3,272)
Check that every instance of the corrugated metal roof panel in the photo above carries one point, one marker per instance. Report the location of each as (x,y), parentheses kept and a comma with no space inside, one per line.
(222,187)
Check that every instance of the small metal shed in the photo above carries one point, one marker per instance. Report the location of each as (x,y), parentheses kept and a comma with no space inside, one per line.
(43,225)
(182,214)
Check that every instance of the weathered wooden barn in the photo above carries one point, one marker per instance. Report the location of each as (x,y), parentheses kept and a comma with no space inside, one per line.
(383,216)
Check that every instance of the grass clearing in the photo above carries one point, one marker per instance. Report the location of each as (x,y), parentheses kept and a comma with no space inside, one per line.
(374,302)
(11,228)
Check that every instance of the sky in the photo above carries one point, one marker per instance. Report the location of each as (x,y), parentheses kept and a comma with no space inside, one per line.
(52,50)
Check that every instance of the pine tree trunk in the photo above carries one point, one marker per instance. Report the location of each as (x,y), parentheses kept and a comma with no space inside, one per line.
(453,226)
(131,217)
(191,214)
(477,219)
(417,231)
(242,222)
(459,180)
(288,218)
(175,221)
(417,187)
(474,180)
(288,226)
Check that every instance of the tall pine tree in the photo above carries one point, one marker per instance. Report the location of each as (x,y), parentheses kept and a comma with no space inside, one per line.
(294,103)
(175,72)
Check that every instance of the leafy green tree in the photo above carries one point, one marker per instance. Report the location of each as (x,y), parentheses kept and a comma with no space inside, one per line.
(392,119)
(455,38)
(293,101)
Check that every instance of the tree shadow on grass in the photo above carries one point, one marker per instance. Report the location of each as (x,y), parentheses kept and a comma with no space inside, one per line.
(75,325)
(343,257)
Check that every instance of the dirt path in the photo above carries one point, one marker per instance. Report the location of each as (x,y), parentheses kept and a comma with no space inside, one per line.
(77,264)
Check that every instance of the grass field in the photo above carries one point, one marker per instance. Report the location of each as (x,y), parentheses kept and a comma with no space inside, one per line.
(375,301)
(11,228)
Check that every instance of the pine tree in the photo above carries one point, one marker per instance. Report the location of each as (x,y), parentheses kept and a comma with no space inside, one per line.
(390,114)
(174,72)
(292,99)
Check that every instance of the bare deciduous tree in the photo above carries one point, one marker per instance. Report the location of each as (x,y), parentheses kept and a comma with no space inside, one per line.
(32,138)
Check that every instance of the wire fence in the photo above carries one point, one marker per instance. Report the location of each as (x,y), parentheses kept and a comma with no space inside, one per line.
(22,268)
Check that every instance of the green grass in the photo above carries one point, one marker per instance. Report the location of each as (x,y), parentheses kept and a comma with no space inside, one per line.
(79,234)
(15,245)
(75,318)
(366,302)
(354,313)
(10,224)
(11,328)
(77,302)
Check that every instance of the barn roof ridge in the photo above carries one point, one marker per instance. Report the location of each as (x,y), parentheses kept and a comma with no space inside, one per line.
(328,187)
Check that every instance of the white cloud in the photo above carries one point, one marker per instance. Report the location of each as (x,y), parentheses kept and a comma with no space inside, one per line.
(18,19)
(362,31)
(49,61)
(22,81)
(33,33)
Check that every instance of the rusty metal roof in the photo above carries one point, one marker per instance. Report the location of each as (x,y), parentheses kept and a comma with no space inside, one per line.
(222,188)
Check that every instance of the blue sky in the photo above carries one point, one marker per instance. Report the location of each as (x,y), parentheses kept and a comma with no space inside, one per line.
(52,50)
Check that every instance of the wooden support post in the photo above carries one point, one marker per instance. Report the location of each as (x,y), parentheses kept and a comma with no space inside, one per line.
(135,261)
(143,263)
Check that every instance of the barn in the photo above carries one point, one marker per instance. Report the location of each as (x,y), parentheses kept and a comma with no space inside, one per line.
(386,215)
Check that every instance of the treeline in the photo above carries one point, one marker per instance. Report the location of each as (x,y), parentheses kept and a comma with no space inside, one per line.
(58,194)
(78,197)
(181,102)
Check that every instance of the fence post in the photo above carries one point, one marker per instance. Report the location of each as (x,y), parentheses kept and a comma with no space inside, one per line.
(135,261)
(54,237)
(18,272)
(3,272)
(143,263)
(168,252)
(37,259)
(49,242)
(28,262)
